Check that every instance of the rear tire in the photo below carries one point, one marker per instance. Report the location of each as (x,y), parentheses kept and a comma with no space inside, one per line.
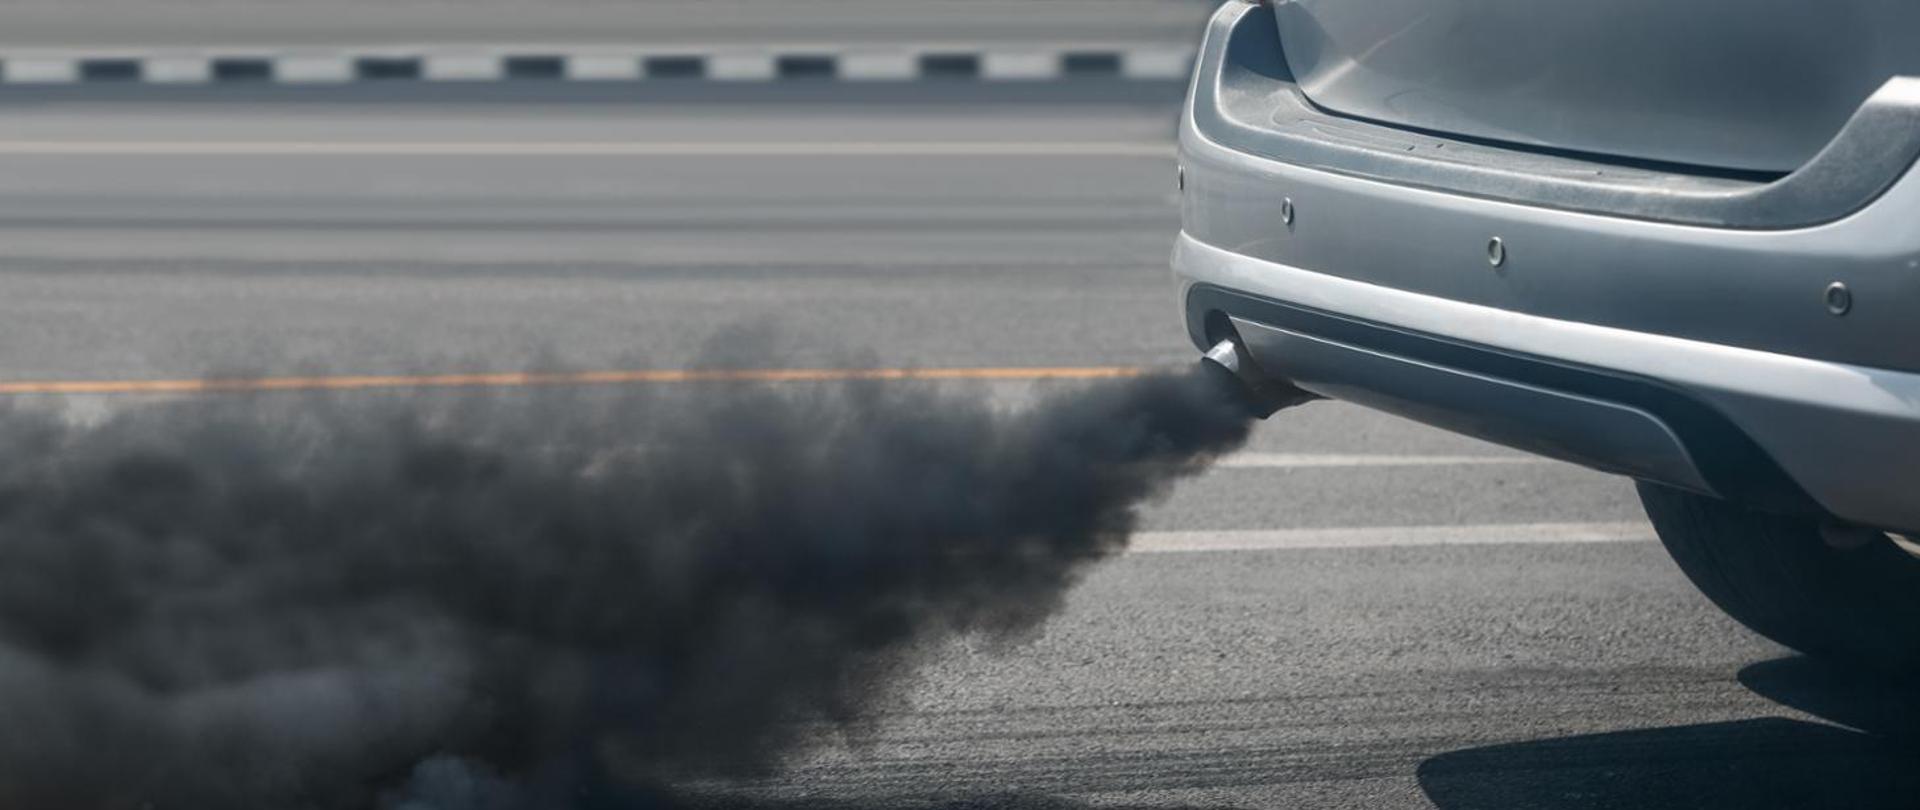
(1776,575)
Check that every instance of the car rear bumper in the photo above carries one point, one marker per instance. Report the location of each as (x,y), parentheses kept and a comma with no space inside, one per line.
(1702,356)
(1772,430)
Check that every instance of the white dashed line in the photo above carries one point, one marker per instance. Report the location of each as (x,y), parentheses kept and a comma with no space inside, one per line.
(1502,534)
(1289,460)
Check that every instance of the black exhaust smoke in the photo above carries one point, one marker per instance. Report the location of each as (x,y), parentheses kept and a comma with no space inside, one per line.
(538,599)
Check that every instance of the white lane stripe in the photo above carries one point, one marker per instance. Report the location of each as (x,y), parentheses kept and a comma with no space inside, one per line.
(741,67)
(1159,63)
(602,67)
(1021,65)
(462,68)
(1501,534)
(879,66)
(1288,460)
(313,69)
(49,70)
(178,70)
(1058,149)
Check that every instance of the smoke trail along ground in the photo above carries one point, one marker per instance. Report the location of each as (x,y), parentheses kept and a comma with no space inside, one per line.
(537,599)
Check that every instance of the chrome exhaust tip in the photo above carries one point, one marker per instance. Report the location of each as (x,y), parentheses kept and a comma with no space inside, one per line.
(1261,394)
(1225,354)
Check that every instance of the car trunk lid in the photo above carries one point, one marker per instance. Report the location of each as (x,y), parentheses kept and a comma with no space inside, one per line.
(1729,84)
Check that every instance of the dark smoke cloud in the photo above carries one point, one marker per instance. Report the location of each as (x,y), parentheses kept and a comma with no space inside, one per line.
(538,599)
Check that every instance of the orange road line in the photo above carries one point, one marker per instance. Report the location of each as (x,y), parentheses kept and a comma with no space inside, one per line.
(222,385)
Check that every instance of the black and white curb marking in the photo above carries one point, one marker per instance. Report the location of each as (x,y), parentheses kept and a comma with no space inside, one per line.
(472,64)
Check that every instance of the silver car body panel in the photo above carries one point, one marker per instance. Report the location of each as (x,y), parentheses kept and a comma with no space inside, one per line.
(1733,318)
(1848,435)
(1759,289)
(1736,83)
(1251,101)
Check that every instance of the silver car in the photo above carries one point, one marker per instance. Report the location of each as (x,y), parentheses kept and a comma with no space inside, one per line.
(1679,241)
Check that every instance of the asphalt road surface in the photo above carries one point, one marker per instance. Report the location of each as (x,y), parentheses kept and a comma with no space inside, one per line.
(1359,612)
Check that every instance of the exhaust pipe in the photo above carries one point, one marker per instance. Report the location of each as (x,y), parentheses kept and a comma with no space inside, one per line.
(1262,395)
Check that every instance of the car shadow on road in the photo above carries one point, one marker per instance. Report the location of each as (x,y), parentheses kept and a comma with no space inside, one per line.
(1758,763)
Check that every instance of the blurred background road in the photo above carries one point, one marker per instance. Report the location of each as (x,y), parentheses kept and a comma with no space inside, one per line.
(1358,612)
(249,23)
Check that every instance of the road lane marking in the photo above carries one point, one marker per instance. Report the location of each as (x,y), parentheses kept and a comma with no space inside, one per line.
(220,385)
(1502,534)
(422,62)
(1311,460)
(1055,149)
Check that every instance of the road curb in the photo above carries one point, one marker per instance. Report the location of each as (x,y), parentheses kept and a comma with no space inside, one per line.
(1037,63)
